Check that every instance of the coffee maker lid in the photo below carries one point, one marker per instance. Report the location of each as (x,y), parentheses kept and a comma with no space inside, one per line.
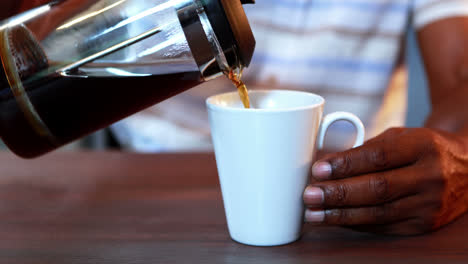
(231,11)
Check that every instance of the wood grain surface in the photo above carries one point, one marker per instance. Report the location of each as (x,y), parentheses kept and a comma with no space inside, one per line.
(134,208)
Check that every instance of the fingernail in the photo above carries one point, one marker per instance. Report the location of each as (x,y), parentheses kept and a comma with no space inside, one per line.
(321,170)
(312,216)
(313,196)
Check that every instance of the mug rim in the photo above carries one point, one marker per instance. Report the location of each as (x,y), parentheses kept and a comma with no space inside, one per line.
(212,106)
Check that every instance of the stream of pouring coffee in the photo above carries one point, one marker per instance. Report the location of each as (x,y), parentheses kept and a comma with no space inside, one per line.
(235,76)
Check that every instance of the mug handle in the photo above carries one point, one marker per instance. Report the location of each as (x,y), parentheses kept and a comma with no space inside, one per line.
(329,119)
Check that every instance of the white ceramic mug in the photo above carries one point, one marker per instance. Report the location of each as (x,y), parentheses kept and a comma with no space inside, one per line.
(264,155)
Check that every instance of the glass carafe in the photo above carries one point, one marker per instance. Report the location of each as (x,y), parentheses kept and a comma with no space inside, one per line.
(72,67)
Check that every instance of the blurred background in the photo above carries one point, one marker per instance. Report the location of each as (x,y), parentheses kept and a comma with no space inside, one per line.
(417,109)
(180,124)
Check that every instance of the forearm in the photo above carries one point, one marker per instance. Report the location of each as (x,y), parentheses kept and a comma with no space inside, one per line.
(443,47)
(451,114)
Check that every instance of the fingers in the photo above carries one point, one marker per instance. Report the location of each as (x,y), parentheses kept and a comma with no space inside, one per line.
(365,216)
(393,149)
(367,190)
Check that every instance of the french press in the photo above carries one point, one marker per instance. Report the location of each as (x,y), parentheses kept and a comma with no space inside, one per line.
(72,67)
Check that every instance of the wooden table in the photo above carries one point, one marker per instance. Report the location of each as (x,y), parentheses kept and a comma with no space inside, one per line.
(130,208)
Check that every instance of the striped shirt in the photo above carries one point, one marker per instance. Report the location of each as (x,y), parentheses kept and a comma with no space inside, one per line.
(348,51)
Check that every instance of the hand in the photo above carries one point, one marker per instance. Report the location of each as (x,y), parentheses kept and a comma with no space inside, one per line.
(405,181)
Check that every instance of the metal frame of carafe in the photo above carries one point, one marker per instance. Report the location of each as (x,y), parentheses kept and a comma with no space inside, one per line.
(206,49)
